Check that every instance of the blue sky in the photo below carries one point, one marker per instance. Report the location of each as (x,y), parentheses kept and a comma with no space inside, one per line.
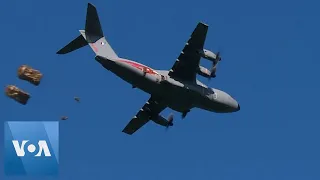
(270,61)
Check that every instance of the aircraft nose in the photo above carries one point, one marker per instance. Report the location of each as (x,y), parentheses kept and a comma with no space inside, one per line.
(235,105)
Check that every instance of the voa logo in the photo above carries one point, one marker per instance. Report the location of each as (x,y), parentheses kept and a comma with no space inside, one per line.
(31,148)
(42,148)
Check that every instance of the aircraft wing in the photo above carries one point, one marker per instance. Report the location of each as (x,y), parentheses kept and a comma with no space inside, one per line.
(187,64)
(151,108)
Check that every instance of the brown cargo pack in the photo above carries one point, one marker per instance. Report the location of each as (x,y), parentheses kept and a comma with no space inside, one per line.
(17,94)
(29,74)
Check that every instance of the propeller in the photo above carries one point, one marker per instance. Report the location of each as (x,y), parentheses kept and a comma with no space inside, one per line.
(218,57)
(214,66)
(170,121)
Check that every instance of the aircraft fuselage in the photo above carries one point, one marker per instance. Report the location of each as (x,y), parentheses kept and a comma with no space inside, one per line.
(180,96)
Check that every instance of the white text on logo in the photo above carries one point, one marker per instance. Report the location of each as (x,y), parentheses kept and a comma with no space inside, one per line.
(31,148)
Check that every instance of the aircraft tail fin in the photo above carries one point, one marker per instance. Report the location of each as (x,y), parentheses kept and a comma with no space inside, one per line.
(92,35)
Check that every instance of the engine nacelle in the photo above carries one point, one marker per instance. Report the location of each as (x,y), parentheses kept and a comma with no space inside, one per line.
(202,71)
(208,55)
(163,121)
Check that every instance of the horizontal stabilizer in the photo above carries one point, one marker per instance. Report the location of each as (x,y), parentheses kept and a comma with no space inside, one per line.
(77,43)
(93,36)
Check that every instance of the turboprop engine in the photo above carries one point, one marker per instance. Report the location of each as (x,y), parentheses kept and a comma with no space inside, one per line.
(208,55)
(202,71)
(163,121)
(215,58)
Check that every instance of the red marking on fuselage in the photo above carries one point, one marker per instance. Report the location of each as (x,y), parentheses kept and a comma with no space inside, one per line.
(142,67)
(94,47)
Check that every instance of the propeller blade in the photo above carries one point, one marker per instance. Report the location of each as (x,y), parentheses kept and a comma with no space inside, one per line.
(214,65)
(218,56)
(170,121)
(213,71)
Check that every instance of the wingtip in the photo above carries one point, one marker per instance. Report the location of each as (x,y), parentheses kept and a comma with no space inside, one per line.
(203,24)
(90,5)
(62,51)
(126,132)
(59,52)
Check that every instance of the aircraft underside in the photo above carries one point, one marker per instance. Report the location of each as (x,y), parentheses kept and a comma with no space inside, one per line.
(173,96)
(176,88)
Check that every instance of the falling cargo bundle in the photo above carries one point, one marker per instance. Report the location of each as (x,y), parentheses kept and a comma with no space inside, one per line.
(17,94)
(29,74)
(64,118)
(77,99)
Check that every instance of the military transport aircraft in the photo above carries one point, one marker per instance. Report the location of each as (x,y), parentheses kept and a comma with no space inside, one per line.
(177,88)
